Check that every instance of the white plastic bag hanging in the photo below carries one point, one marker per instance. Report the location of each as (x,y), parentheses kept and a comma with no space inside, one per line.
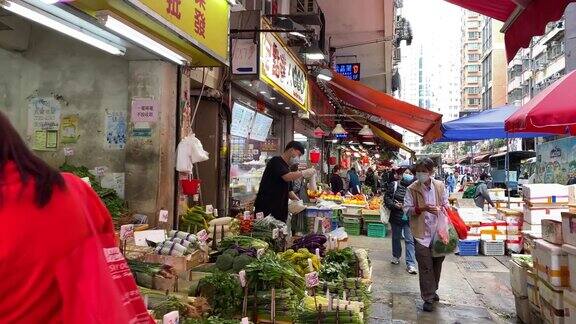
(189,151)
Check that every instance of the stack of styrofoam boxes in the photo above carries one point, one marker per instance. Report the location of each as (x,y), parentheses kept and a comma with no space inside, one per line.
(569,238)
(492,237)
(533,295)
(472,217)
(519,283)
(543,201)
(514,220)
(551,263)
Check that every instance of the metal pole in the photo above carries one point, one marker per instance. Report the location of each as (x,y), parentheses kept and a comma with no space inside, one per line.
(507,166)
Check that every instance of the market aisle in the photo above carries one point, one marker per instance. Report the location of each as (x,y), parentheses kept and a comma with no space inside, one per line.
(472,290)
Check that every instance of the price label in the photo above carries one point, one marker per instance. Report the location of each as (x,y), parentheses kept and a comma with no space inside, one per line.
(163,216)
(275,233)
(209,209)
(247,215)
(245,320)
(259,215)
(68,151)
(171,318)
(100,171)
(126,231)
(312,279)
(215,213)
(259,253)
(284,230)
(318,253)
(242,277)
(202,236)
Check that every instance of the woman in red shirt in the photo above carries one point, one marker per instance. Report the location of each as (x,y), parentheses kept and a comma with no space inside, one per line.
(45,216)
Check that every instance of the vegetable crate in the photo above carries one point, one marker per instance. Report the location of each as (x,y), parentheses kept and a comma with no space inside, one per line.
(376,229)
(371,218)
(352,225)
(468,247)
(492,248)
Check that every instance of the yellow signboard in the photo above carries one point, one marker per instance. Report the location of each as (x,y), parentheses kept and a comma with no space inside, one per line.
(205,23)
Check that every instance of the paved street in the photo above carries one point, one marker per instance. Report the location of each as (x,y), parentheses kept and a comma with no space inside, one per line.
(472,289)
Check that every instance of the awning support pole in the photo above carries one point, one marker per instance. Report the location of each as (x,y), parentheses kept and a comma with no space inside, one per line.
(507,166)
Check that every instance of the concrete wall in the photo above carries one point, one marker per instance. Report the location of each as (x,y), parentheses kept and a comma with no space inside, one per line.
(90,80)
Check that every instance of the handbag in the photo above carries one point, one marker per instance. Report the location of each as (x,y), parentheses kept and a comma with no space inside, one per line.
(95,281)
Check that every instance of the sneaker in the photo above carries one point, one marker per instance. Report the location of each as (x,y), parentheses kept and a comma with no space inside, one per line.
(436,298)
(395,261)
(428,307)
(411,270)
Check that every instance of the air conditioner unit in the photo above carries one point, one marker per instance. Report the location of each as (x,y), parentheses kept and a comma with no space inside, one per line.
(304,7)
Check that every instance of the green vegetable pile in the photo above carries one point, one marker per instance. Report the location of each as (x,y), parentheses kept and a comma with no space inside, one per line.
(243,241)
(271,272)
(116,205)
(232,261)
(223,292)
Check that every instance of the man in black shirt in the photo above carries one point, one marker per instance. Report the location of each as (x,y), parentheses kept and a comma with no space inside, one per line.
(272,195)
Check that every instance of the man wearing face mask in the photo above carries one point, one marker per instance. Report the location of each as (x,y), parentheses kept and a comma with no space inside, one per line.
(273,194)
(422,203)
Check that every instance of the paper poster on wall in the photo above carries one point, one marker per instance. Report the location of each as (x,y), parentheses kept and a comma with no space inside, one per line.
(69,129)
(115,130)
(144,110)
(44,123)
(115,181)
(241,120)
(260,127)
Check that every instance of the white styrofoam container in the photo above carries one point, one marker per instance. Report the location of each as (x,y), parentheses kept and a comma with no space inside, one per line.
(552,231)
(532,287)
(551,303)
(528,238)
(551,263)
(571,251)
(534,215)
(514,246)
(518,279)
(522,308)
(572,194)
(492,247)
(493,230)
(569,301)
(537,193)
(535,228)
(569,228)
(497,194)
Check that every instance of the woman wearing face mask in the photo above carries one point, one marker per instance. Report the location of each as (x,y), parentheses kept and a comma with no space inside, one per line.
(273,194)
(422,203)
(394,201)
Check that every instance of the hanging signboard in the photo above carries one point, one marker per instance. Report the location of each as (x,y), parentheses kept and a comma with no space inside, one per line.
(244,56)
(282,70)
(349,70)
(241,120)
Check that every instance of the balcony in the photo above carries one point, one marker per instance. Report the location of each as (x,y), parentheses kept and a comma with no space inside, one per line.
(514,83)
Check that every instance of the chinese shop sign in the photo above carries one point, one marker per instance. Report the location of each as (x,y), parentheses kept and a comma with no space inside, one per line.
(204,23)
(282,70)
(144,110)
(349,70)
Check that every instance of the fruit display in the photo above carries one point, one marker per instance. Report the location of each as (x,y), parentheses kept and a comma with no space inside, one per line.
(313,194)
(356,200)
(375,203)
(330,197)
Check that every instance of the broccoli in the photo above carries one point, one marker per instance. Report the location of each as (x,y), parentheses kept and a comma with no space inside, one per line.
(225,262)
(241,261)
(231,252)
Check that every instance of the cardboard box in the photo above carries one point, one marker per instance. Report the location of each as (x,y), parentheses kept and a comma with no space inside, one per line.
(552,231)
(182,264)
(569,228)
(552,263)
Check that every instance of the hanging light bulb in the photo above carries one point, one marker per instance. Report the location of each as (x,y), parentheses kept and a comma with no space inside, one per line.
(339,131)
(319,132)
(366,131)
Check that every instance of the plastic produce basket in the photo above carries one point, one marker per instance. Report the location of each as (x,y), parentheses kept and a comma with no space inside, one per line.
(468,247)
(371,218)
(376,230)
(492,248)
(352,225)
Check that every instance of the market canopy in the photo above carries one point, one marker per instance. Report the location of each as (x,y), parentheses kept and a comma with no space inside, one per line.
(488,124)
(523,18)
(381,133)
(413,118)
(552,111)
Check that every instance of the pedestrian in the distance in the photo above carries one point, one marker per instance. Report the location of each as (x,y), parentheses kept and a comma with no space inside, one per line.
(353,181)
(336,182)
(451,183)
(394,200)
(422,203)
(482,195)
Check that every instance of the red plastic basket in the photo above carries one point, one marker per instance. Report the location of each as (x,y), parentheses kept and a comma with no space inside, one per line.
(190,187)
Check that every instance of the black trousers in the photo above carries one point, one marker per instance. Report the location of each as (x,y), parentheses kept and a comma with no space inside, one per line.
(429,270)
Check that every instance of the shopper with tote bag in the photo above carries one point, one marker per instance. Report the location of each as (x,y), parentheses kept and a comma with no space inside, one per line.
(59,261)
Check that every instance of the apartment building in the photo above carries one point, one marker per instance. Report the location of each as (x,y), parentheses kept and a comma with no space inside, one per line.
(471,53)
(494,65)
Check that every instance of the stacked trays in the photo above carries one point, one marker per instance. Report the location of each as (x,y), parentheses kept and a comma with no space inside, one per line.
(373,224)
(352,225)
(568,236)
(514,220)
(493,237)
(468,247)
(543,201)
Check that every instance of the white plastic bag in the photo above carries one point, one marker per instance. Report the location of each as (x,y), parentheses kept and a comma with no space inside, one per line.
(384,214)
(189,151)
(197,153)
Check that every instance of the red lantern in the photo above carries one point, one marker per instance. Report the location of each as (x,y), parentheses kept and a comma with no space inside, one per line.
(314,156)
(332,160)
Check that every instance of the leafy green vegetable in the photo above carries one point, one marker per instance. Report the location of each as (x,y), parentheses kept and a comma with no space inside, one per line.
(333,271)
(223,292)
(441,248)
(241,261)
(271,271)
(225,262)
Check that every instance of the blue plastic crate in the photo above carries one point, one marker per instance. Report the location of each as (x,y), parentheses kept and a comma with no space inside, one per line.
(468,247)
(335,224)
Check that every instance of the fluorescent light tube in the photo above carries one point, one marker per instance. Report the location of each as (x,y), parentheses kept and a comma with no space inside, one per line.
(143,40)
(315,56)
(61,26)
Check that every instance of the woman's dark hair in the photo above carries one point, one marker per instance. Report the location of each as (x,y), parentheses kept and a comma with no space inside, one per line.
(426,163)
(30,167)
(484,176)
(335,169)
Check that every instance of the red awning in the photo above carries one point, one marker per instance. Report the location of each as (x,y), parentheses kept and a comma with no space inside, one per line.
(415,119)
(524,18)
(551,111)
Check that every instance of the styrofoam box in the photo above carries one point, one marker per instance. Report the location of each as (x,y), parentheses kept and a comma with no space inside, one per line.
(542,193)
(497,194)
(552,263)
(532,287)
(569,228)
(569,300)
(535,215)
(514,246)
(522,308)
(552,231)
(535,228)
(518,279)
(571,252)
(551,303)
(493,230)
(572,194)
(471,214)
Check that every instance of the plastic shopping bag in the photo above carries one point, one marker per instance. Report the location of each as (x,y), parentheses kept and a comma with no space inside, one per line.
(457,222)
(445,240)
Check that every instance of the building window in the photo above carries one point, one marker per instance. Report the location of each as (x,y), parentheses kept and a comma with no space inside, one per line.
(473,57)
(487,35)
(473,35)
(472,46)
(487,71)
(514,72)
(473,101)
(473,24)
(472,79)
(555,49)
(473,68)
(473,90)
(487,98)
